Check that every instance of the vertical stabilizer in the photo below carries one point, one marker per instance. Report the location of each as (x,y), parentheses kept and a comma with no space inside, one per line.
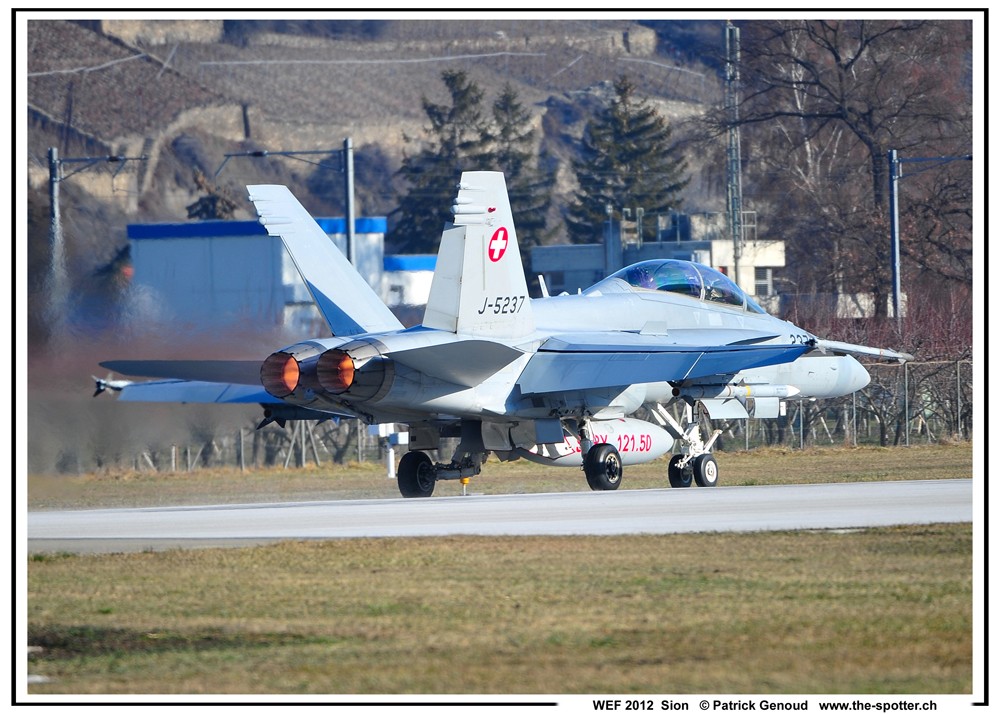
(479,286)
(348,304)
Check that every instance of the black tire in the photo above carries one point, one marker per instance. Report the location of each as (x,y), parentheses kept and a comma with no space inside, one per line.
(603,466)
(415,476)
(678,477)
(706,470)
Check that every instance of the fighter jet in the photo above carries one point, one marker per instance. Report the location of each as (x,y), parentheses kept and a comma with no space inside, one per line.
(555,379)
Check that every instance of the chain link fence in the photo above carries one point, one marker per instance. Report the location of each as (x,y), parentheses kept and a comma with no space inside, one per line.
(911,403)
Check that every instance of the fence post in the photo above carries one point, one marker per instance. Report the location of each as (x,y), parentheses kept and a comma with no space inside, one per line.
(958,397)
(854,418)
(906,400)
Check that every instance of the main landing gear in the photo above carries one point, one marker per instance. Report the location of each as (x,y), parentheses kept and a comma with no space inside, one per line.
(417,473)
(602,463)
(603,466)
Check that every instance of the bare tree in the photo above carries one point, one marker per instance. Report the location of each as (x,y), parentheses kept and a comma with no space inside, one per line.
(822,102)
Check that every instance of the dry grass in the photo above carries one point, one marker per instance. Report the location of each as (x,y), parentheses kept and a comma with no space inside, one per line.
(879,611)
(368,480)
(876,611)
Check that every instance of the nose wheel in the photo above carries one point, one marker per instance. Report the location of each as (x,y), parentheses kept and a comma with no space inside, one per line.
(705,469)
(683,471)
(677,475)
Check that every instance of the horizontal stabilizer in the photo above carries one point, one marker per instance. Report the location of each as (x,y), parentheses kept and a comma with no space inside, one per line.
(573,370)
(225,371)
(832,346)
(465,363)
(347,302)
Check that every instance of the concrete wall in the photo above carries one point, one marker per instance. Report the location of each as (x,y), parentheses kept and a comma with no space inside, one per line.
(161,32)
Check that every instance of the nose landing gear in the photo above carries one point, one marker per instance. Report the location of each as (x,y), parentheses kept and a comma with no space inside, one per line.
(694,463)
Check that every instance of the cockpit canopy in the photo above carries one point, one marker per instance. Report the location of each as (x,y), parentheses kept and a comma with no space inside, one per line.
(691,279)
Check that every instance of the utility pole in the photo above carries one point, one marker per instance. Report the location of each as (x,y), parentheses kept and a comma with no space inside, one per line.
(57,288)
(895,174)
(734,187)
(349,199)
(347,168)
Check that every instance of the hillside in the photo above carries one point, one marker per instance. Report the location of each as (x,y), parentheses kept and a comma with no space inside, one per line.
(184,94)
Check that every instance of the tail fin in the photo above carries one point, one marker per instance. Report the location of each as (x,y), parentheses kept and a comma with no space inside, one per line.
(479,286)
(347,302)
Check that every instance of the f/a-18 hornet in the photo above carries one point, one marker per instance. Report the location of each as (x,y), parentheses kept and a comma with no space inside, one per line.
(551,379)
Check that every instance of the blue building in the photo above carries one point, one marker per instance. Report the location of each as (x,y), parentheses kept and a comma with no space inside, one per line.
(226,274)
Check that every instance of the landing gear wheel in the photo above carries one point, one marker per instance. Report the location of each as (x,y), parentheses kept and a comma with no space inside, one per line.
(706,470)
(678,477)
(415,476)
(603,466)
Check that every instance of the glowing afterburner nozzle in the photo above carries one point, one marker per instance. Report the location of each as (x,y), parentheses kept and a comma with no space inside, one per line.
(335,371)
(279,374)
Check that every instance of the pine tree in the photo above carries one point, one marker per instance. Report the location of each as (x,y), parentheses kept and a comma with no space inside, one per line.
(456,144)
(628,162)
(529,180)
(217,204)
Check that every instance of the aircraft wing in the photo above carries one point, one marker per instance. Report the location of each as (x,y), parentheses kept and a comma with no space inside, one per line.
(861,351)
(193,381)
(245,372)
(195,392)
(561,365)
(651,342)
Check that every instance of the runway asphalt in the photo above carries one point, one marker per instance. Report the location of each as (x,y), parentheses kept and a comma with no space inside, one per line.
(657,511)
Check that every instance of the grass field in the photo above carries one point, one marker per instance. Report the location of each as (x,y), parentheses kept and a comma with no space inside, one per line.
(368,480)
(866,611)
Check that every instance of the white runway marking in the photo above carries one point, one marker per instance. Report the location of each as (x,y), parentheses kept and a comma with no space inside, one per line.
(658,511)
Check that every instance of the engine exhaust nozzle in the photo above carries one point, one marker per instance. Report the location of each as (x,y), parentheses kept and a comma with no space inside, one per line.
(335,371)
(279,374)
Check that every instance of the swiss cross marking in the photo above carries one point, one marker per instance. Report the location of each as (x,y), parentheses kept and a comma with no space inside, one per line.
(498,244)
